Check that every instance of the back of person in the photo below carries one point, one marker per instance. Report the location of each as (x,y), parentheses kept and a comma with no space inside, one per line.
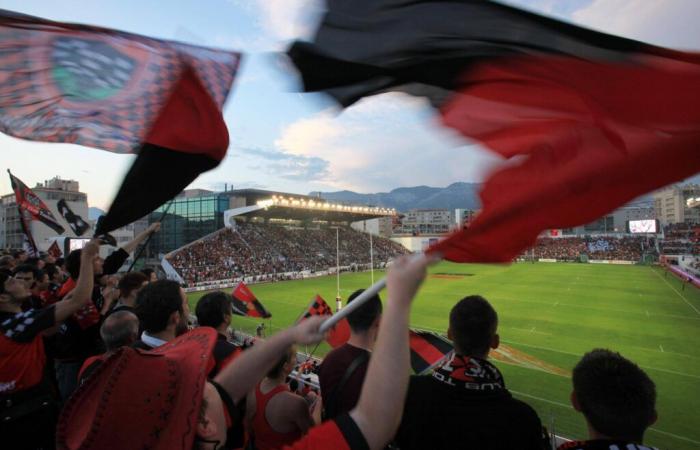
(265,436)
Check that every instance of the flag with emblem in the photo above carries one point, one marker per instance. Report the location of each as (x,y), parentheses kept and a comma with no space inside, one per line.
(340,333)
(120,92)
(427,349)
(245,303)
(54,250)
(76,223)
(587,120)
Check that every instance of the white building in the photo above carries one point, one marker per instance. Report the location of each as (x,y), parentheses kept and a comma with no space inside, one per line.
(427,221)
(671,204)
(382,226)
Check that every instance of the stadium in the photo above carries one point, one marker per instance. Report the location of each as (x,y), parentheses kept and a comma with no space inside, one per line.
(564,297)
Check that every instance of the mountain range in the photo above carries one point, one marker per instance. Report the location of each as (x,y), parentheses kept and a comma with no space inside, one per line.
(456,195)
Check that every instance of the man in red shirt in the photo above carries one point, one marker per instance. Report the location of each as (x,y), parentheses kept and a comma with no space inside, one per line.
(27,405)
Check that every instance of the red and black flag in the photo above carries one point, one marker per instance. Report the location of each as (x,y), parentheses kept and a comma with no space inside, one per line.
(119,92)
(54,250)
(244,303)
(76,223)
(31,207)
(340,333)
(590,120)
(427,349)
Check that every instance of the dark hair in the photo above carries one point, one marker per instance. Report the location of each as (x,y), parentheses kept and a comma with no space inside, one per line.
(73,264)
(616,396)
(212,309)
(16,254)
(24,268)
(277,368)
(148,271)
(130,282)
(363,317)
(51,270)
(34,261)
(60,261)
(473,322)
(156,302)
(4,276)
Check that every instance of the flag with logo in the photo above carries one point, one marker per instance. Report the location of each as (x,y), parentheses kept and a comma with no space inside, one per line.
(587,120)
(54,250)
(340,333)
(75,222)
(31,207)
(120,92)
(245,303)
(427,349)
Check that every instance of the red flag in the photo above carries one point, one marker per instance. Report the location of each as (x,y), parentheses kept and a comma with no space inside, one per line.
(589,121)
(35,208)
(54,250)
(427,348)
(245,303)
(340,333)
(119,92)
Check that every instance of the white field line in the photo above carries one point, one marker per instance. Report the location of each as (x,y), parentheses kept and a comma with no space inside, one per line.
(662,348)
(564,405)
(676,291)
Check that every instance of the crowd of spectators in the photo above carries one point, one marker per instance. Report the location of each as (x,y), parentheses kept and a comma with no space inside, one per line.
(681,239)
(627,248)
(258,249)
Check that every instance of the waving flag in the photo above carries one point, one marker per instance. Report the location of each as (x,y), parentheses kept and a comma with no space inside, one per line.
(119,92)
(76,223)
(340,333)
(590,120)
(244,303)
(427,349)
(31,207)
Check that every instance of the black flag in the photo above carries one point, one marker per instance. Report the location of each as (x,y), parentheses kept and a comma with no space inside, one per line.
(76,223)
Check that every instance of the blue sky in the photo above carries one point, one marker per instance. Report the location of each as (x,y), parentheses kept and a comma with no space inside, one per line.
(287,141)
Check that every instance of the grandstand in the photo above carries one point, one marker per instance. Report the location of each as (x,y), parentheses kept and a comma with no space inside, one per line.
(276,236)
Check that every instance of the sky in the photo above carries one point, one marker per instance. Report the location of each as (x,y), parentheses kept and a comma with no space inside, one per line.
(286,141)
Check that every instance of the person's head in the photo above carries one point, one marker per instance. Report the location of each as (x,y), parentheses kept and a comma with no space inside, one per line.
(130,285)
(473,325)
(12,290)
(54,272)
(73,264)
(119,329)
(151,274)
(27,274)
(284,365)
(214,310)
(617,398)
(162,306)
(7,262)
(20,256)
(365,319)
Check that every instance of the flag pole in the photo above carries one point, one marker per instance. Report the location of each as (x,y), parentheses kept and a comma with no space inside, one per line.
(358,301)
(371,257)
(148,239)
(337,269)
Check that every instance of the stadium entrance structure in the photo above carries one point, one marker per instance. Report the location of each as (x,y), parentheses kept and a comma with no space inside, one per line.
(272,236)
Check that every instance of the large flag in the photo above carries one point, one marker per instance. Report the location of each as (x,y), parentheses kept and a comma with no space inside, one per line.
(244,303)
(119,92)
(340,333)
(590,120)
(76,223)
(31,207)
(427,349)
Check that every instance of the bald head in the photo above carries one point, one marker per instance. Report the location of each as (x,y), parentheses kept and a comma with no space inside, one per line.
(119,329)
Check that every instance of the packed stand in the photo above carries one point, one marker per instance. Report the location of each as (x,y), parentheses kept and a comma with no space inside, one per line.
(255,249)
(78,339)
(681,239)
(627,248)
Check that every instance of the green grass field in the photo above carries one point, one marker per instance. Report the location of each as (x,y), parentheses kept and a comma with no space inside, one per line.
(550,314)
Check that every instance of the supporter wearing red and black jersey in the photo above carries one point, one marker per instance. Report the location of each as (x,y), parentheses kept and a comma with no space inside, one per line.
(617,398)
(28,408)
(465,403)
(343,370)
(79,337)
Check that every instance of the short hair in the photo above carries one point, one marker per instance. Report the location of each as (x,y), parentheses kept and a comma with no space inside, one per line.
(73,264)
(119,329)
(277,368)
(148,271)
(364,316)
(473,322)
(131,282)
(51,270)
(156,302)
(25,268)
(17,253)
(6,261)
(4,276)
(616,396)
(212,309)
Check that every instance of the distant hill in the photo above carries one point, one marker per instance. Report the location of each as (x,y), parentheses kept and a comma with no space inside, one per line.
(94,213)
(456,195)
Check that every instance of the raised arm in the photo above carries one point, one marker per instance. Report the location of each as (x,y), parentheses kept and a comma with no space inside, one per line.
(241,376)
(378,412)
(82,294)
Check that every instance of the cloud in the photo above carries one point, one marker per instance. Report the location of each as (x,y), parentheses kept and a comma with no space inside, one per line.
(384,142)
(285,165)
(671,23)
(289,19)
